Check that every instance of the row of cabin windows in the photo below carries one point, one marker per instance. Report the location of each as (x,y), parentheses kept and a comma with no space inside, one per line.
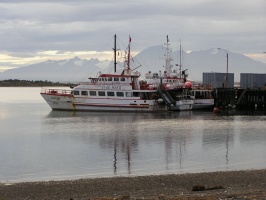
(112,79)
(103,93)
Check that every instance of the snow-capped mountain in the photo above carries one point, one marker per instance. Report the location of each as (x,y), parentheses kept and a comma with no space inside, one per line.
(71,70)
(150,59)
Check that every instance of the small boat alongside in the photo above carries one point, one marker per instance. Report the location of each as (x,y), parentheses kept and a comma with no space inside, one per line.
(202,98)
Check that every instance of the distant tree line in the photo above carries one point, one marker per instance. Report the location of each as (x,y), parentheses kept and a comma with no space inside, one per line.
(28,83)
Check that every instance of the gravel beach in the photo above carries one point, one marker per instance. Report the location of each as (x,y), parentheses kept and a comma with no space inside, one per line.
(248,184)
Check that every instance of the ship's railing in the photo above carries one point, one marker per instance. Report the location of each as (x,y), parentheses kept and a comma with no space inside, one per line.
(56,91)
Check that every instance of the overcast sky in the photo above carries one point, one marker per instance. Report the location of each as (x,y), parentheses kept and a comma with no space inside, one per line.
(32,31)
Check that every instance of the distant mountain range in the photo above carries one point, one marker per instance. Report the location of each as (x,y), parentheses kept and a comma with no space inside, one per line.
(150,59)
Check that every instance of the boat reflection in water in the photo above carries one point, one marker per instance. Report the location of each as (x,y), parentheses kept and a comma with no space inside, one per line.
(173,142)
(38,144)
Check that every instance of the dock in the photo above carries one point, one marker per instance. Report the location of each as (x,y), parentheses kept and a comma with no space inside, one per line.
(240,98)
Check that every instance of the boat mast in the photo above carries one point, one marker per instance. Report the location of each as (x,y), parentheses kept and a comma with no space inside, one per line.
(115,53)
(128,56)
(168,58)
(180,61)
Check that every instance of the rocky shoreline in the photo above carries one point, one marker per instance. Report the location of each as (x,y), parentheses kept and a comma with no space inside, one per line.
(248,184)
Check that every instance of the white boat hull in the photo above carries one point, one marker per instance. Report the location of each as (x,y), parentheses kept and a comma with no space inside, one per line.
(69,102)
(182,105)
(203,104)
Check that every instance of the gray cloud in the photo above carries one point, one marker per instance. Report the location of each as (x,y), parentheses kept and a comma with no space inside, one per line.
(86,25)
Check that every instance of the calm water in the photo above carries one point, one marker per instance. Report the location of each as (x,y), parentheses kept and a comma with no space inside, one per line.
(37,143)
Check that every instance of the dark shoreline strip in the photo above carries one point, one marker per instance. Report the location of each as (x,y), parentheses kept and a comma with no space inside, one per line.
(141,186)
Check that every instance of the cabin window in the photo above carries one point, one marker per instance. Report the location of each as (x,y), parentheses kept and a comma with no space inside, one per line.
(143,95)
(76,92)
(116,79)
(197,94)
(129,94)
(110,94)
(92,93)
(110,79)
(135,94)
(101,93)
(120,94)
(122,79)
(84,93)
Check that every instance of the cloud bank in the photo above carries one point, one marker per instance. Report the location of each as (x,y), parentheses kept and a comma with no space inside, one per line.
(29,28)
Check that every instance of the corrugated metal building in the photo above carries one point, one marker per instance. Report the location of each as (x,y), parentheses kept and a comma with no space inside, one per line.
(217,80)
(249,80)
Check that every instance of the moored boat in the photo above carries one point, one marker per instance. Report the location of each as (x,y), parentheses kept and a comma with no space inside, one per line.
(202,97)
(186,94)
(107,92)
(171,84)
(169,90)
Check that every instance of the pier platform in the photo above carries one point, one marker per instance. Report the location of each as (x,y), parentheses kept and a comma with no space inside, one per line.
(240,98)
